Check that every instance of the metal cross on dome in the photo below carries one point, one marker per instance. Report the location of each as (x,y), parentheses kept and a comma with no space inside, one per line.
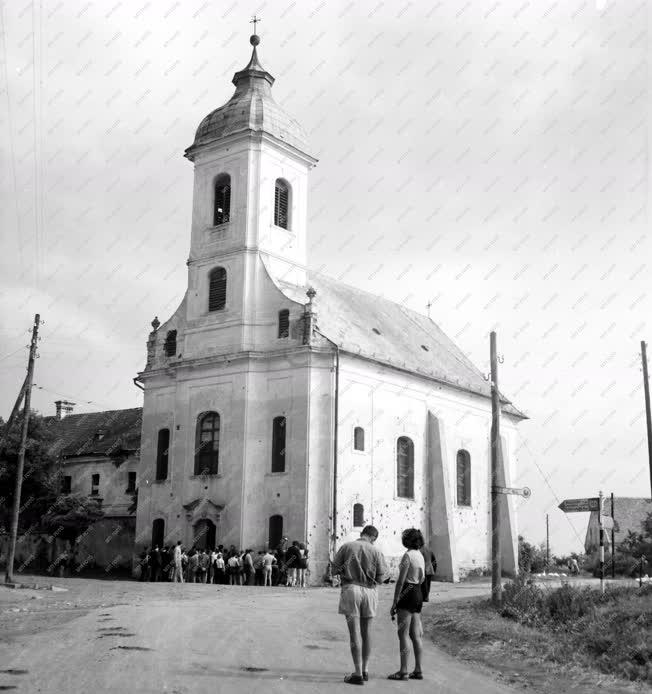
(254,20)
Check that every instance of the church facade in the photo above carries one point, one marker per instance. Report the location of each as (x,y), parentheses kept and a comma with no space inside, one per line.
(280,402)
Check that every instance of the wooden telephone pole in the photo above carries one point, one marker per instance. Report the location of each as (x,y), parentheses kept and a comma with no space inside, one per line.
(496,555)
(11,553)
(547,543)
(648,418)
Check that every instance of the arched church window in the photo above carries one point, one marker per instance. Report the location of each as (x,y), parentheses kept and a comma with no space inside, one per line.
(171,343)
(278,444)
(358,439)
(222,210)
(207,446)
(275,531)
(217,289)
(405,467)
(162,451)
(284,323)
(358,515)
(282,204)
(463,478)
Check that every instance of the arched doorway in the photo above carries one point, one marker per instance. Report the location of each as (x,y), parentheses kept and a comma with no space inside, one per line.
(205,534)
(158,532)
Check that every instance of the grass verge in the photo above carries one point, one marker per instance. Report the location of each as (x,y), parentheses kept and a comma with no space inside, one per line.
(554,640)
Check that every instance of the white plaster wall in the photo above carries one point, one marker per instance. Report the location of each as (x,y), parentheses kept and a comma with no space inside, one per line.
(113,480)
(389,404)
(248,393)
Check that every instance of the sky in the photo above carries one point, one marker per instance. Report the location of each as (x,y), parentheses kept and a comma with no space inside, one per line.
(490,158)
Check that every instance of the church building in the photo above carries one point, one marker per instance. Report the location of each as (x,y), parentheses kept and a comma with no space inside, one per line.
(281,402)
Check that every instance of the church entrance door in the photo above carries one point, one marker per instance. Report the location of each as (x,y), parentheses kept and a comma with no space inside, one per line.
(205,534)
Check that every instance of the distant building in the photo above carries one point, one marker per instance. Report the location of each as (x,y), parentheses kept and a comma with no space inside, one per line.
(629,514)
(98,457)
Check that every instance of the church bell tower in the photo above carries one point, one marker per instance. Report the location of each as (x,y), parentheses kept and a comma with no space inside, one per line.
(249,201)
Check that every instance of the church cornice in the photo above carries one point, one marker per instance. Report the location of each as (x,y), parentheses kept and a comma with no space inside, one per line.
(247,355)
(248,138)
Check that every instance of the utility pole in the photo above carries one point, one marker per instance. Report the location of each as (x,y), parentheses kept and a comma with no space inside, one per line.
(496,556)
(547,543)
(613,539)
(648,417)
(601,528)
(11,553)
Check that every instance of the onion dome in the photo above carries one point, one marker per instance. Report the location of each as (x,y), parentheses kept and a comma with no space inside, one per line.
(251,108)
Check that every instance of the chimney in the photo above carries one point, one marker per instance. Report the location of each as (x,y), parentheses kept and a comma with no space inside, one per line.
(64,408)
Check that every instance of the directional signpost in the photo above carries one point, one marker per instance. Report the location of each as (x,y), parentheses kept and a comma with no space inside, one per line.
(593,503)
(580,505)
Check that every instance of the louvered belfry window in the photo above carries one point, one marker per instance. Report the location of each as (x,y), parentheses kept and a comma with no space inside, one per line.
(463,478)
(284,323)
(278,444)
(222,212)
(281,204)
(405,467)
(207,447)
(217,289)
(171,343)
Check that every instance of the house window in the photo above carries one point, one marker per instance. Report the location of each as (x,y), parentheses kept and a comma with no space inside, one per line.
(171,343)
(275,531)
(358,439)
(222,211)
(162,451)
(217,289)
(278,444)
(207,446)
(158,532)
(405,467)
(281,204)
(66,484)
(284,323)
(95,485)
(358,515)
(131,483)
(463,478)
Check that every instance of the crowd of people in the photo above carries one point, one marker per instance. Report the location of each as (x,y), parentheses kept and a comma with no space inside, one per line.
(286,565)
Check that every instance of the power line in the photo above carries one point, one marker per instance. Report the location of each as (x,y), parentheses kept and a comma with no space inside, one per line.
(11,131)
(11,354)
(78,399)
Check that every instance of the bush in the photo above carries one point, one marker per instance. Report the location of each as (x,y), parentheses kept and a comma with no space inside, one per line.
(626,565)
(568,604)
(522,601)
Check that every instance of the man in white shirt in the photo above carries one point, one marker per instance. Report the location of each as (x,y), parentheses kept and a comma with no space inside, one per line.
(234,570)
(268,560)
(178,571)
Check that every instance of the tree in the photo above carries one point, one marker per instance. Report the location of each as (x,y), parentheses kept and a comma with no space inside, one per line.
(531,559)
(71,515)
(40,477)
(638,544)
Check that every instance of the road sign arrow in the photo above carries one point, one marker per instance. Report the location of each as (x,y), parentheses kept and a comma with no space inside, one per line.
(580,505)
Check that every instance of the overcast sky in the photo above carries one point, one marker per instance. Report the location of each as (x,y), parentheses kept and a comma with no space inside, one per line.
(489,157)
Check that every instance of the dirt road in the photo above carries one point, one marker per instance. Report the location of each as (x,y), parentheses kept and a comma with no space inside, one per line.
(131,637)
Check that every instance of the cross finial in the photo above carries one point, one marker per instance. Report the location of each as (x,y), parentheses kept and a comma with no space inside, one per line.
(254,20)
